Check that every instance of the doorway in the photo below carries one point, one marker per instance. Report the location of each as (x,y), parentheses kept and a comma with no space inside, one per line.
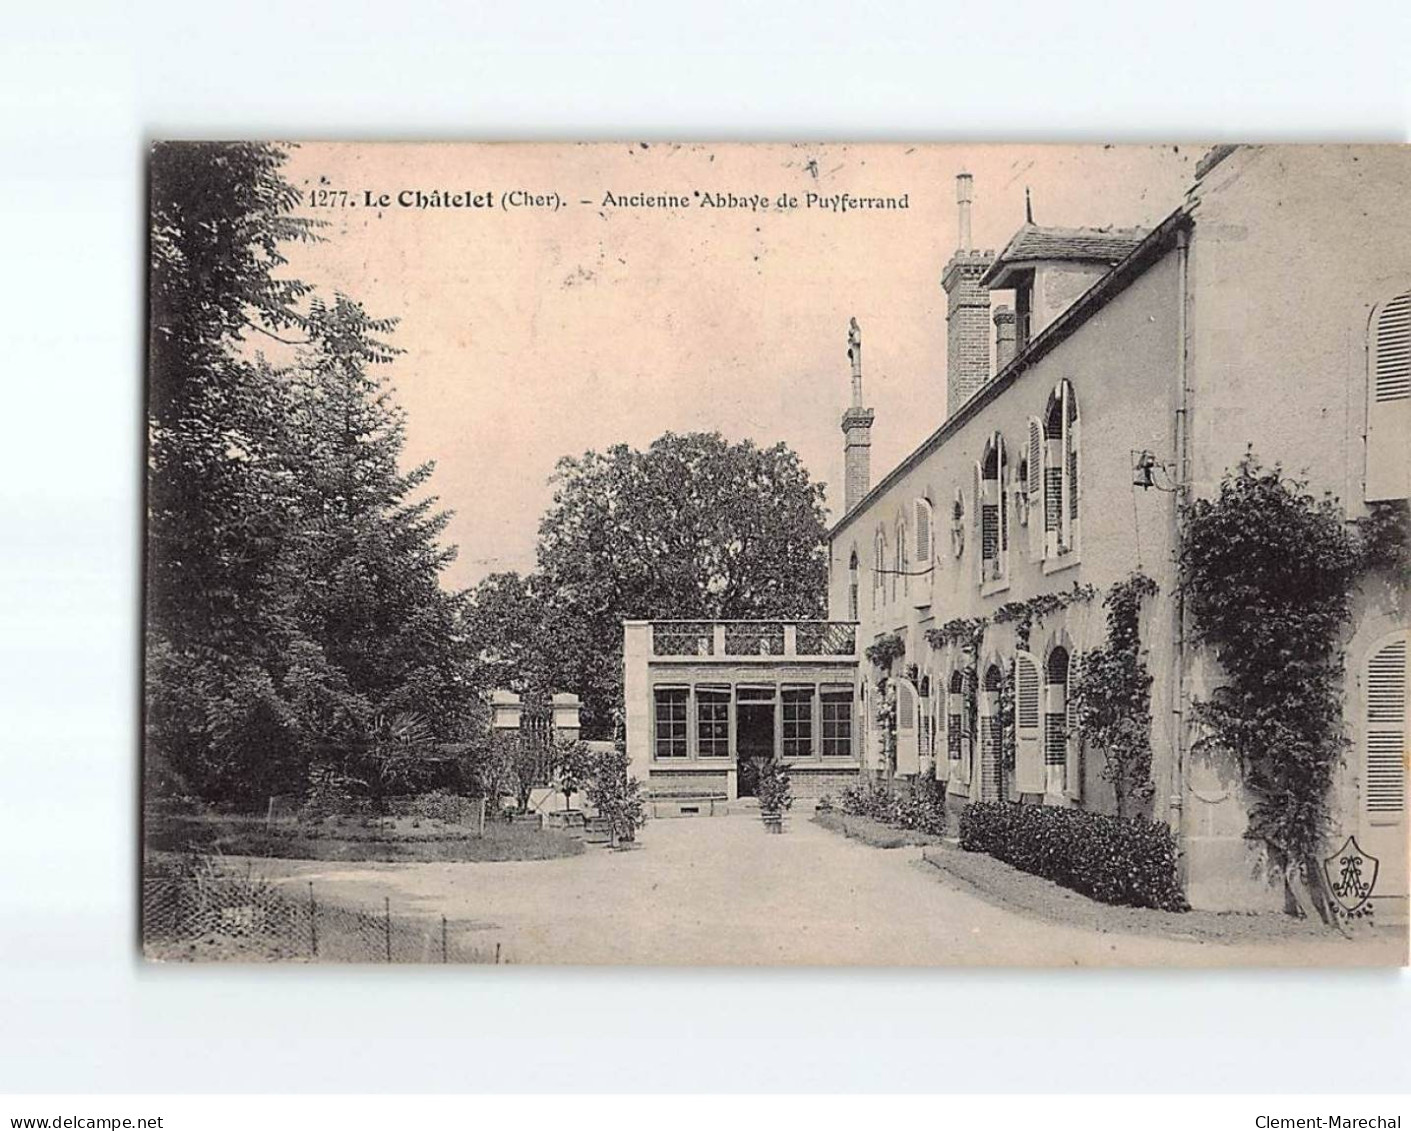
(754,744)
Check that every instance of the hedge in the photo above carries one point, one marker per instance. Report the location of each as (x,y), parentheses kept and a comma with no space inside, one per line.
(1129,861)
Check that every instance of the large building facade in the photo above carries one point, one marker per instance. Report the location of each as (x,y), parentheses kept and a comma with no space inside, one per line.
(1132,369)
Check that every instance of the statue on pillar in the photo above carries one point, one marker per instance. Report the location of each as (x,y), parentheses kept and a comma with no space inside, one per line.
(855,357)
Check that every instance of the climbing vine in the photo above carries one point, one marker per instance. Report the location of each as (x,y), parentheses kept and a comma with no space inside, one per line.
(968,632)
(1267,571)
(885,651)
(1112,695)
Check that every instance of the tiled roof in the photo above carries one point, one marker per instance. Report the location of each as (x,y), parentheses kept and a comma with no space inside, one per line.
(1087,245)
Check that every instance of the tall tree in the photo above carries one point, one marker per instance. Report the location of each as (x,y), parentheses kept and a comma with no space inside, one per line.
(504,629)
(294,600)
(694,526)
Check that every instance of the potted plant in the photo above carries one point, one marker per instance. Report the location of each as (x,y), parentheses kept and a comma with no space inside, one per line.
(775,797)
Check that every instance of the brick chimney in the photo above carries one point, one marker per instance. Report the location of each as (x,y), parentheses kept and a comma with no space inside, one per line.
(967,309)
(857,430)
(1004,337)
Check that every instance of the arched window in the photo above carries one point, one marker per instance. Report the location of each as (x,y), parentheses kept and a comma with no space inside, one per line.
(903,562)
(994,511)
(1389,401)
(852,584)
(879,569)
(991,736)
(923,520)
(955,725)
(1029,773)
(1056,720)
(1034,489)
(1060,467)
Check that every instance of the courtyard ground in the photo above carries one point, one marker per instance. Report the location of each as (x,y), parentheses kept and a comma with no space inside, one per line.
(722,891)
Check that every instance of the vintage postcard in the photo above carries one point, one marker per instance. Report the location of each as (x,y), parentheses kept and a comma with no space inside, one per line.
(777,554)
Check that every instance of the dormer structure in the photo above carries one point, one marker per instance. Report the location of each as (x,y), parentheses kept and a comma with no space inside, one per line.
(1048,269)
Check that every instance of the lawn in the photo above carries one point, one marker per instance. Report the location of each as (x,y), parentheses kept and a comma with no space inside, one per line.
(356,839)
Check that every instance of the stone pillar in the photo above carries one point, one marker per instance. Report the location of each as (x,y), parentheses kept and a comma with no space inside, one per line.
(857,430)
(1004,337)
(505,710)
(567,709)
(637,692)
(857,456)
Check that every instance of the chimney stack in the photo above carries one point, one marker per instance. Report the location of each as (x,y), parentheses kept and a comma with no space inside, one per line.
(857,430)
(967,309)
(964,194)
(1004,337)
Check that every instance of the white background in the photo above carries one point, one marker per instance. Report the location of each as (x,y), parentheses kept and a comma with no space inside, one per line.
(83,87)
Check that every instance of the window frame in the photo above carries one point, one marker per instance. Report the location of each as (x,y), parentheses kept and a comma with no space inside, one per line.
(713,696)
(658,692)
(802,740)
(837,696)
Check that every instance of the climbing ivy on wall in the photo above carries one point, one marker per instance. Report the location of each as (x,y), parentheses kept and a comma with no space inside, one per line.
(1267,571)
(885,651)
(1112,696)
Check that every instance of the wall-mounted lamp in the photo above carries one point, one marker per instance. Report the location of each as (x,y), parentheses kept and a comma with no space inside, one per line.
(1148,471)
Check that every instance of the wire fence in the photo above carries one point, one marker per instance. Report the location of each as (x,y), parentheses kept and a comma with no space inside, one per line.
(209,915)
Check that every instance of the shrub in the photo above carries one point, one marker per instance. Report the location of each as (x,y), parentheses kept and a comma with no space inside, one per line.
(1123,860)
(922,807)
(616,795)
(775,796)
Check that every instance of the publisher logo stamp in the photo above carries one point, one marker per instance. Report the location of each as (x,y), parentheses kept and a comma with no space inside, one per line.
(1352,874)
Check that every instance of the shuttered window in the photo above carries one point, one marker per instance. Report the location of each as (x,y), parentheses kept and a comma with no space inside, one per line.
(922,521)
(1056,709)
(908,732)
(1028,756)
(879,569)
(1391,373)
(977,520)
(1384,794)
(1034,489)
(1389,401)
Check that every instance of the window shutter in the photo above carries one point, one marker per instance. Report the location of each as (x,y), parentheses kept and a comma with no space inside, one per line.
(1028,748)
(1002,488)
(1384,790)
(1075,482)
(903,556)
(967,730)
(1073,772)
(924,548)
(1065,518)
(908,728)
(1035,488)
(1389,402)
(977,521)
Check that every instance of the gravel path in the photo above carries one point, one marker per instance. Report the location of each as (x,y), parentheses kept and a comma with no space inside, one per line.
(721,891)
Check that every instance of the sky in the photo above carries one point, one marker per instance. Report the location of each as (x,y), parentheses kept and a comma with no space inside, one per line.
(532,333)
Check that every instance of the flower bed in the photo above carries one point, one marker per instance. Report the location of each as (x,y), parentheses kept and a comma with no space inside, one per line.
(872,833)
(921,808)
(1127,861)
